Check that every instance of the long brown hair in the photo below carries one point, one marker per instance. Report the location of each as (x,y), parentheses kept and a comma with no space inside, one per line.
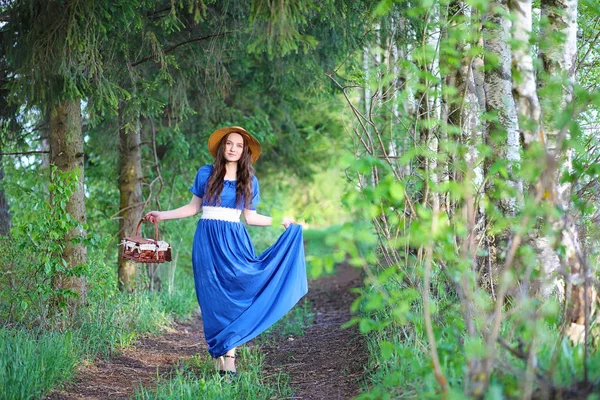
(243,184)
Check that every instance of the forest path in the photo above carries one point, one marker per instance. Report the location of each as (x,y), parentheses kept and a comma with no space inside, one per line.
(326,363)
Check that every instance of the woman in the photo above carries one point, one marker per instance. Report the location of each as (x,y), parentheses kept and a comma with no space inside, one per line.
(240,294)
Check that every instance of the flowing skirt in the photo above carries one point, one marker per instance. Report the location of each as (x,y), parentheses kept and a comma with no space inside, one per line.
(242,294)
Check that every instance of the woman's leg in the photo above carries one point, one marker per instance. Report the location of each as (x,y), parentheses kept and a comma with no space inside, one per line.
(220,363)
(229,360)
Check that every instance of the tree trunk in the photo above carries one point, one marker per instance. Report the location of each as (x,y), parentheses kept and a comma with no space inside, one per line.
(501,135)
(130,188)
(558,60)
(66,153)
(524,87)
(499,99)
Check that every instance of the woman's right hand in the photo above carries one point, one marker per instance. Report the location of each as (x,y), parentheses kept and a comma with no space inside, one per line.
(153,216)
(286,222)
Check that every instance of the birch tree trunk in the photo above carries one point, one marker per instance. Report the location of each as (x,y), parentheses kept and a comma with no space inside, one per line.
(66,153)
(524,87)
(463,110)
(502,134)
(529,114)
(558,59)
(130,189)
(395,87)
(499,99)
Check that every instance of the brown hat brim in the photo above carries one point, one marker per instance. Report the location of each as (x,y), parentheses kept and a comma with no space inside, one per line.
(216,136)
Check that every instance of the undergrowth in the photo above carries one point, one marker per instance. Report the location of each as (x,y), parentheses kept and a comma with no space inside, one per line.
(39,358)
(399,353)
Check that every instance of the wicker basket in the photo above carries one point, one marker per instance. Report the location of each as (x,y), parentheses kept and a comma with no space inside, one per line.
(143,250)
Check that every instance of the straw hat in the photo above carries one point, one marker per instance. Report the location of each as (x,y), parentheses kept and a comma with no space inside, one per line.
(216,136)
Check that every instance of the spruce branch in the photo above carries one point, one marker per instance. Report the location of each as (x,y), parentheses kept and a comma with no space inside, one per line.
(172,48)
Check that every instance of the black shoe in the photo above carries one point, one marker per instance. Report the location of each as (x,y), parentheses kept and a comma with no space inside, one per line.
(232,374)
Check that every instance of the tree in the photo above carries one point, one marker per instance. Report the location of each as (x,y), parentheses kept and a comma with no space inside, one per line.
(54,49)
(477,243)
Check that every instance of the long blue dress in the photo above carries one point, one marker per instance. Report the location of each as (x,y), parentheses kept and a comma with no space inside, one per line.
(241,294)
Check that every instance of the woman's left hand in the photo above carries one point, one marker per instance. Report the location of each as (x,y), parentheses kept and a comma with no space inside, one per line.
(286,222)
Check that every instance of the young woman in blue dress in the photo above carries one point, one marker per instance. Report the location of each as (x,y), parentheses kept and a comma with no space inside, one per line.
(240,293)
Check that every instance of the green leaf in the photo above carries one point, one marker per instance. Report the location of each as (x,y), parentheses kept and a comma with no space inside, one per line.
(397,191)
(387,349)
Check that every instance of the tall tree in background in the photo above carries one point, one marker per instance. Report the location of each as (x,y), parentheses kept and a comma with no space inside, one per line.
(66,153)
(54,49)
(502,133)
(130,188)
(6,120)
(4,207)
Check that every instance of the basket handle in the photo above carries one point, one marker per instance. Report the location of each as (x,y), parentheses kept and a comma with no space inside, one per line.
(137,231)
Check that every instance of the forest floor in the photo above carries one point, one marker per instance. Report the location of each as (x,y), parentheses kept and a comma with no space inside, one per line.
(327,362)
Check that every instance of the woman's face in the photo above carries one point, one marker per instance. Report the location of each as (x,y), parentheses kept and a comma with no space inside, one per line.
(234,147)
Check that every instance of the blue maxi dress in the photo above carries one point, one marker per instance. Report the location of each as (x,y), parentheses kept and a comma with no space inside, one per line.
(240,293)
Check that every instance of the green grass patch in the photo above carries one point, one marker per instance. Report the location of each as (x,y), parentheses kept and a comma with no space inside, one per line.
(400,360)
(37,360)
(198,379)
(31,362)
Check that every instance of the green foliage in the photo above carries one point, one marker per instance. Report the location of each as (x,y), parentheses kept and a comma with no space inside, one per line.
(280,22)
(456,221)
(34,256)
(36,361)
(398,357)
(198,378)
(33,362)
(57,50)
(321,255)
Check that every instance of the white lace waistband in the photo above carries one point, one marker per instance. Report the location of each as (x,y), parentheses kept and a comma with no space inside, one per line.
(221,213)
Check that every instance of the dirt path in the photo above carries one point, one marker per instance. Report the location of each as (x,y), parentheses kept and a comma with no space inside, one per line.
(326,363)
(121,376)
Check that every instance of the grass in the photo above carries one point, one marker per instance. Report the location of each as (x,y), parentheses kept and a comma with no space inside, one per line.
(35,361)
(197,379)
(32,362)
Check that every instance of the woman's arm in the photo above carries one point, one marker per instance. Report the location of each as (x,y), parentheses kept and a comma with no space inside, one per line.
(254,218)
(192,208)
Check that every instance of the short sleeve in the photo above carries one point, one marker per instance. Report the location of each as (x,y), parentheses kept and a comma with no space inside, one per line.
(255,194)
(201,179)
